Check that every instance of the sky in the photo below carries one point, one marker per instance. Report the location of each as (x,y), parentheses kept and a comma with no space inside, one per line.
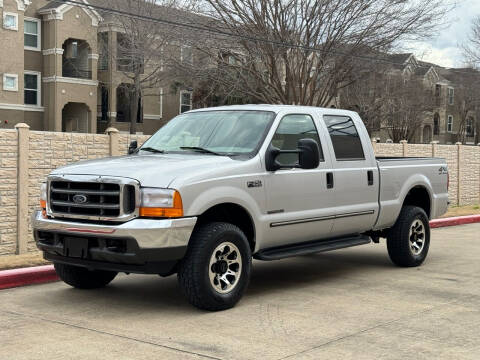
(443,49)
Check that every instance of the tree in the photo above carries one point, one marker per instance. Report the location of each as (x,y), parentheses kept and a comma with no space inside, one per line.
(466,100)
(304,51)
(142,49)
(472,48)
(405,104)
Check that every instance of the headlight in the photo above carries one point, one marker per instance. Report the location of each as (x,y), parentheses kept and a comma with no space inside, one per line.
(160,203)
(43,195)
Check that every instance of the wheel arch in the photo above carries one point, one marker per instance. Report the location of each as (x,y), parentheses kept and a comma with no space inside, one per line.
(419,195)
(232,213)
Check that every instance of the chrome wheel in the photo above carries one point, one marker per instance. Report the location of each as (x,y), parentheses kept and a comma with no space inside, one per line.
(225,267)
(417,237)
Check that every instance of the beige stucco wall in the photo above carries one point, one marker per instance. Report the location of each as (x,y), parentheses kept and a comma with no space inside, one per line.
(49,150)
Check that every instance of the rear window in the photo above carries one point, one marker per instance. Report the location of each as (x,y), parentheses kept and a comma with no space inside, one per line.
(345,139)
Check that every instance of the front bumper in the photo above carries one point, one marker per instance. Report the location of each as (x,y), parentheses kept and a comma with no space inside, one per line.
(139,245)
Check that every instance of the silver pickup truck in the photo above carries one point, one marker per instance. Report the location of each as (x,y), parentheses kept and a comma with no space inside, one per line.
(217,186)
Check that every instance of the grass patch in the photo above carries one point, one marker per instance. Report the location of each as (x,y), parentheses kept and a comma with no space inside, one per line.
(462,211)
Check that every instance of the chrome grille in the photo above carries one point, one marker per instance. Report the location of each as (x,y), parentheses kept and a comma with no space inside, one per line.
(99,198)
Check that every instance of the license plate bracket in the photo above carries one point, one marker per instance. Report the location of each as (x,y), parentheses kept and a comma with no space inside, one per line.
(75,247)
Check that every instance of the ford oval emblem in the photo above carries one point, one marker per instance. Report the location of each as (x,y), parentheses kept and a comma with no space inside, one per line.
(79,199)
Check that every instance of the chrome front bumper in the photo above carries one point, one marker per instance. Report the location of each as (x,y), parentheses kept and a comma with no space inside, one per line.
(149,234)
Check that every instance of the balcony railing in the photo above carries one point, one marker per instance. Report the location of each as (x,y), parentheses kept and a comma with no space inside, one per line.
(73,69)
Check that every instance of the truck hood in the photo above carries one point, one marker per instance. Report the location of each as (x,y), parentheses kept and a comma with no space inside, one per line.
(154,170)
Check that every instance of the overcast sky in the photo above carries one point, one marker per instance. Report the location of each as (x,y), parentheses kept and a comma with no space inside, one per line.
(443,50)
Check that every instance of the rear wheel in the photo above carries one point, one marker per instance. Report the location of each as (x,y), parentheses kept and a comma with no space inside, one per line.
(82,278)
(216,269)
(408,240)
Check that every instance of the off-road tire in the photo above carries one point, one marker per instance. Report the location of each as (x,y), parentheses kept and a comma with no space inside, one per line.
(398,239)
(193,273)
(82,278)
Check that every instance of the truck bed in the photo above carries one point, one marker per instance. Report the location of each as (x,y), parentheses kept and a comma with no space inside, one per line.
(400,174)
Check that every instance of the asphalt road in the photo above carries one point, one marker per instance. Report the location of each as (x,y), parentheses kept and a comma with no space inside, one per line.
(347,304)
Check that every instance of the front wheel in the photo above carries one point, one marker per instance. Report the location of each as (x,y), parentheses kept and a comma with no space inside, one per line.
(216,269)
(409,239)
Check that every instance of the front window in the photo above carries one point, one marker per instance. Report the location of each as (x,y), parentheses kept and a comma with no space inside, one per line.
(31,34)
(10,82)
(450,123)
(469,127)
(451,93)
(10,21)
(223,132)
(32,86)
(185,101)
(293,128)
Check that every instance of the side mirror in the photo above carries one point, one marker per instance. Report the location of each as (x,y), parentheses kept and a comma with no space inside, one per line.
(132,147)
(308,156)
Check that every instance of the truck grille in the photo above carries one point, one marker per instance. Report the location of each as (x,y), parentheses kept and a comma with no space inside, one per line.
(99,200)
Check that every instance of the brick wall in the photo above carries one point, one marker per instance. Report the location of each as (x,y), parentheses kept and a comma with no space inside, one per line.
(49,150)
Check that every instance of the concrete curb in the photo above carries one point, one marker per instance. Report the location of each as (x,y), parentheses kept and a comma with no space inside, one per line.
(27,276)
(44,274)
(452,221)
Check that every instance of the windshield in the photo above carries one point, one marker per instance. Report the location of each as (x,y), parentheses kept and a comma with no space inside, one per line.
(232,132)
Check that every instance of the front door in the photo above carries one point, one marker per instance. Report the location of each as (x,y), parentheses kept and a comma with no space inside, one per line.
(299,205)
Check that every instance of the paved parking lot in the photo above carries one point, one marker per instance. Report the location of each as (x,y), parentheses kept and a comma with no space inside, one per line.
(347,304)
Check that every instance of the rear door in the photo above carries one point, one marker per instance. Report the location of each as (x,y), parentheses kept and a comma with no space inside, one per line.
(354,177)
(299,205)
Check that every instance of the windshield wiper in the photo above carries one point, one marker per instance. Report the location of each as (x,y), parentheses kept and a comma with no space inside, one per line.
(200,149)
(152,150)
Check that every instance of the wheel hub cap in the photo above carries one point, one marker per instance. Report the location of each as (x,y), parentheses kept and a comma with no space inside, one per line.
(225,267)
(417,237)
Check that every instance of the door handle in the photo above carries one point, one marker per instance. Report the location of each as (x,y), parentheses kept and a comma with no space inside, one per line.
(329,180)
(370,177)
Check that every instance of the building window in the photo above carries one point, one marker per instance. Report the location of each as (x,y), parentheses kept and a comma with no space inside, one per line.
(450,96)
(32,34)
(10,82)
(32,88)
(438,90)
(469,131)
(436,125)
(450,123)
(10,21)
(186,54)
(185,101)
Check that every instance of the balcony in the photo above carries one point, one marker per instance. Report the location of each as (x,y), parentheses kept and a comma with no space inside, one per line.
(76,62)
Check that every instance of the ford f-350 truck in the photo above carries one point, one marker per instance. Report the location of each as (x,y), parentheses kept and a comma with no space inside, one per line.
(217,186)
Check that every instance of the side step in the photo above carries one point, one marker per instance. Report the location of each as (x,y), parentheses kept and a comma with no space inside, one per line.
(310,247)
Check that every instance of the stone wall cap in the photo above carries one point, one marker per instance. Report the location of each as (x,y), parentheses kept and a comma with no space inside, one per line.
(111,130)
(434,142)
(403,141)
(22,126)
(458,143)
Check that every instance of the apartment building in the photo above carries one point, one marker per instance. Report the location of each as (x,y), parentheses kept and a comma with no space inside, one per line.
(451,109)
(54,77)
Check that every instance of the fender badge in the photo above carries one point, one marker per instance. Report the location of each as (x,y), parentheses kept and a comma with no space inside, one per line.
(255,183)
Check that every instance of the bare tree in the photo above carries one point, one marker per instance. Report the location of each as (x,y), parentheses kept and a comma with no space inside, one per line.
(405,104)
(467,101)
(142,49)
(472,48)
(304,51)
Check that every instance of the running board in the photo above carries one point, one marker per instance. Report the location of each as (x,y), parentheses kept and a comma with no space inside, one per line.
(311,247)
